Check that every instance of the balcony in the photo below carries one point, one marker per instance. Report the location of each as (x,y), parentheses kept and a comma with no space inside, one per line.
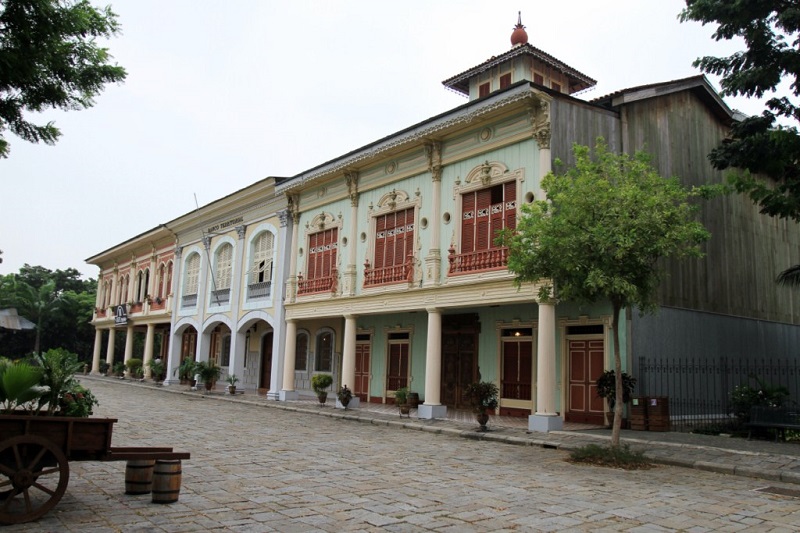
(317,285)
(188,301)
(492,259)
(256,291)
(390,274)
(220,297)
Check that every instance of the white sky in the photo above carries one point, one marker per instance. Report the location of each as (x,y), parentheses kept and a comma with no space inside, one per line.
(222,94)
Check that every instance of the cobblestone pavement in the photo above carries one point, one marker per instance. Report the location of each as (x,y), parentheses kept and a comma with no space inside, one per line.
(272,467)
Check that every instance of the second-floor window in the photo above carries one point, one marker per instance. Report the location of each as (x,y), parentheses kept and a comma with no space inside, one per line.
(484,214)
(223,269)
(394,248)
(191,280)
(321,265)
(259,284)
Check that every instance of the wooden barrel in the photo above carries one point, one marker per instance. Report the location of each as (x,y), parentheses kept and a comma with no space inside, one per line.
(413,399)
(166,481)
(139,476)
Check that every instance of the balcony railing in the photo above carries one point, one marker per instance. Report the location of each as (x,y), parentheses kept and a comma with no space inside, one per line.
(491,259)
(220,297)
(390,274)
(258,290)
(188,300)
(311,286)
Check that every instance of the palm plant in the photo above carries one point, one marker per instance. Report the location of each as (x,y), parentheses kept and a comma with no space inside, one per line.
(58,367)
(19,384)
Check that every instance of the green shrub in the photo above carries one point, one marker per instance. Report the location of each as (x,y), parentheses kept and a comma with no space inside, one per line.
(744,397)
(77,401)
(134,366)
(610,456)
(320,382)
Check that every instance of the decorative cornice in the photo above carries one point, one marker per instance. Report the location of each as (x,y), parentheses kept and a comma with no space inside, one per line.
(421,132)
(241,230)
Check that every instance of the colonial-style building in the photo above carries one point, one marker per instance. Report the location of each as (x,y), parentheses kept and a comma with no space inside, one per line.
(395,265)
(134,295)
(230,261)
(393,274)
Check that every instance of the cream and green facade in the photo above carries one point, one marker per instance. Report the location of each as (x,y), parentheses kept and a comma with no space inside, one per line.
(384,270)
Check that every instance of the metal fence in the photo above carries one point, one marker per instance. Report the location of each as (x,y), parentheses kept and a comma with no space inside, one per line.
(699,391)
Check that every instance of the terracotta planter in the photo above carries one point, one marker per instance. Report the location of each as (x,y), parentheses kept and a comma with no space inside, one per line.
(322,397)
(405,409)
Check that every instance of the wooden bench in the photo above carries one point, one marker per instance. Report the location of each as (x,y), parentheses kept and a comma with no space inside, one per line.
(778,418)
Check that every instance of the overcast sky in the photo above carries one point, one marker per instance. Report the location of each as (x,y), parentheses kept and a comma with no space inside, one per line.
(222,94)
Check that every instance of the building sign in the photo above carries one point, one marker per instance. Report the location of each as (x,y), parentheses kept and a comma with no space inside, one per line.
(226,224)
(121,315)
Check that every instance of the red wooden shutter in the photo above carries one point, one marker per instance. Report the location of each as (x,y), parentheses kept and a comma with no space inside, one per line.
(510,208)
(380,241)
(408,239)
(482,209)
(468,223)
(390,239)
(505,81)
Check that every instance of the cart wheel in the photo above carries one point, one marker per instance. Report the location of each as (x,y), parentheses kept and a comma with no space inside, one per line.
(33,477)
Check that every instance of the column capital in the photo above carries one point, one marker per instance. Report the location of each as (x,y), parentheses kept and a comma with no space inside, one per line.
(434,310)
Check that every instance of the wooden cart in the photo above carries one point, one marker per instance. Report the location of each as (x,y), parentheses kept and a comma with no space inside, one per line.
(35,452)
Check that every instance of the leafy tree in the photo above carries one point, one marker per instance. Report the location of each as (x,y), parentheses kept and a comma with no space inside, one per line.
(35,304)
(759,144)
(49,58)
(58,302)
(608,222)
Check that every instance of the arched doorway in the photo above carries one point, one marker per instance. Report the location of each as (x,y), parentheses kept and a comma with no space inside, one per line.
(266,362)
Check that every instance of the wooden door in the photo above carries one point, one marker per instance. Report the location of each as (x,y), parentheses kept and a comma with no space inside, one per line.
(397,369)
(517,370)
(459,366)
(586,361)
(361,386)
(266,361)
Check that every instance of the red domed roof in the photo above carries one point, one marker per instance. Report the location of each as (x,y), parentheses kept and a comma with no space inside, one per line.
(519,35)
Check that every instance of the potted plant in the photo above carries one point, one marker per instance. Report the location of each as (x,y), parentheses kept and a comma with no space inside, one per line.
(232,380)
(134,366)
(186,370)
(104,366)
(607,389)
(482,397)
(118,369)
(344,396)
(401,399)
(157,369)
(320,384)
(209,373)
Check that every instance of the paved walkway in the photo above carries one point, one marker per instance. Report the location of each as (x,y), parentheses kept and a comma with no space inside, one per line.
(260,466)
(768,460)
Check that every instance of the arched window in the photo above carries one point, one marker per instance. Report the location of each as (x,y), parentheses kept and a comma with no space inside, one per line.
(161,280)
(142,282)
(191,280)
(223,270)
(301,352)
(259,284)
(324,358)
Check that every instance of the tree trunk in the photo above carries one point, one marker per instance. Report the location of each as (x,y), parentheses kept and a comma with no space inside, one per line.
(617,425)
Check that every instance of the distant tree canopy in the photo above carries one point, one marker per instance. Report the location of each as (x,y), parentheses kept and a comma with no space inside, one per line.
(58,302)
(49,58)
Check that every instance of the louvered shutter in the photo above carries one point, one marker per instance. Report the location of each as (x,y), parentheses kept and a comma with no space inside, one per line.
(468,223)
(510,208)
(483,202)
(380,241)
